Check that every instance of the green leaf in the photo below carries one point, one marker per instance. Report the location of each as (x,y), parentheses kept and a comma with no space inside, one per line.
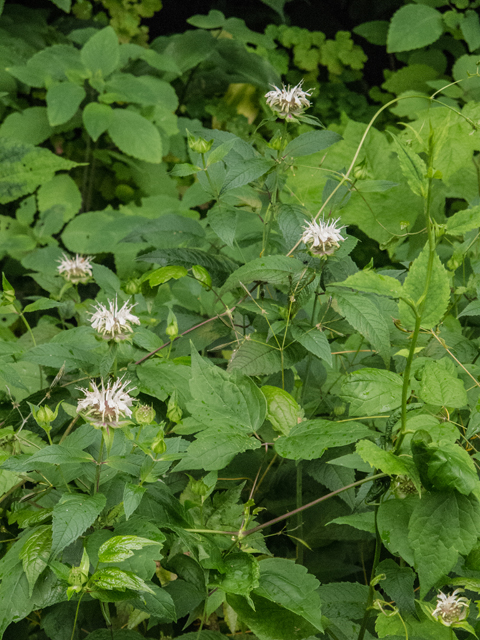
(35,554)
(97,118)
(254,357)
(57,454)
(241,574)
(65,5)
(60,190)
(164,274)
(106,280)
(24,167)
(372,391)
(113,578)
(219,396)
(388,462)
(393,519)
(362,313)
(119,548)
(282,410)
(375,31)
(472,309)
(371,282)
(435,303)
(413,167)
(184,169)
(313,339)
(101,53)
(470,27)
(291,220)
(72,516)
(56,355)
(222,219)
(398,584)
(310,439)
(364,521)
(245,172)
(414,26)
(159,603)
(132,496)
(448,466)
(463,221)
(29,125)
(441,387)
(311,142)
(63,101)
(213,20)
(41,304)
(15,602)
(277,270)
(221,151)
(135,135)
(442,526)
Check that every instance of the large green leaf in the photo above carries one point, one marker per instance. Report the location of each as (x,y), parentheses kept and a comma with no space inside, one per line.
(392,521)
(283,411)
(277,270)
(256,357)
(241,575)
(310,439)
(313,339)
(15,602)
(362,313)
(387,461)
(72,515)
(434,305)
(119,548)
(463,221)
(442,387)
(442,526)
(35,553)
(113,578)
(24,167)
(371,282)
(307,143)
(245,172)
(97,118)
(372,391)
(135,135)
(63,101)
(30,125)
(413,167)
(414,26)
(101,53)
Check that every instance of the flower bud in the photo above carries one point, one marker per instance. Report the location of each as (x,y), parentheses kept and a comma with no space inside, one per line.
(276,142)
(172,326)
(202,275)
(174,413)
(144,414)
(199,145)
(159,446)
(198,487)
(132,286)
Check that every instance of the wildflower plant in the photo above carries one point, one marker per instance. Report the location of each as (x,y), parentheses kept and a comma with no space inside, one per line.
(284,447)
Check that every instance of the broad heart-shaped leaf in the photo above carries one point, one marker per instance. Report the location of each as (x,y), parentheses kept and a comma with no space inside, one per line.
(310,439)
(241,574)
(282,410)
(313,339)
(271,621)
(215,447)
(463,221)
(135,135)
(35,553)
(256,357)
(101,53)
(113,578)
(388,462)
(277,270)
(440,387)
(311,142)
(371,282)
(119,548)
(362,313)
(72,515)
(63,101)
(442,526)
(413,167)
(218,395)
(219,267)
(414,26)
(244,172)
(371,391)
(24,167)
(97,118)
(292,587)
(435,303)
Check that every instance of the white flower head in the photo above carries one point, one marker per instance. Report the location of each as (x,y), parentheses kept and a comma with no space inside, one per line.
(106,406)
(451,609)
(75,270)
(322,237)
(287,101)
(113,323)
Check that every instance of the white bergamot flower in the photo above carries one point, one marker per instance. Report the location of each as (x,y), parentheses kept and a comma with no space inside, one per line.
(322,237)
(451,609)
(75,270)
(106,406)
(113,323)
(288,101)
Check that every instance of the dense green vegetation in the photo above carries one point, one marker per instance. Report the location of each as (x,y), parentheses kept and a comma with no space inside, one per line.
(239,389)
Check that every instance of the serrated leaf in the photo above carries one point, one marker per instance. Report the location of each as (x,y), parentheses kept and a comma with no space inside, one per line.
(314,340)
(440,387)
(113,578)
(222,219)
(362,313)
(393,525)
(57,454)
(414,26)
(442,526)
(372,391)
(159,603)
(35,553)
(388,462)
(72,516)
(132,496)
(371,282)
(119,548)
(63,101)
(101,53)
(413,167)
(97,118)
(434,305)
(221,151)
(282,410)
(310,439)
(277,270)
(311,142)
(245,172)
(364,521)
(398,584)
(41,304)
(255,357)
(241,574)
(463,221)
(135,135)
(472,309)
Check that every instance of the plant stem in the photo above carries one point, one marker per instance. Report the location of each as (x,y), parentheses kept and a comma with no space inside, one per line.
(99,466)
(76,616)
(299,527)
(371,589)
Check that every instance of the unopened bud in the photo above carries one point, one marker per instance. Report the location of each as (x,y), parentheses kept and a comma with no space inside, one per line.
(199,145)
(159,446)
(174,413)
(198,487)
(202,275)
(172,325)
(276,142)
(133,286)
(144,414)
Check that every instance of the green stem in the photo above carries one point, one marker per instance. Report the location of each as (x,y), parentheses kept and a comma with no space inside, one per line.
(29,329)
(299,527)
(96,486)
(371,589)
(76,616)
